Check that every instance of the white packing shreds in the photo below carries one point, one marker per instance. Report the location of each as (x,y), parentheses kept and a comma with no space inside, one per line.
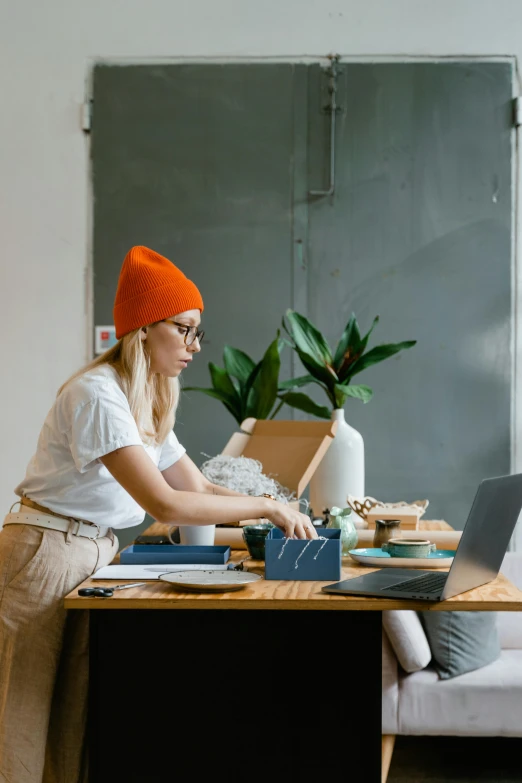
(245,475)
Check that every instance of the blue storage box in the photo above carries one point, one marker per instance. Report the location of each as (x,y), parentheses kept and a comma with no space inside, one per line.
(174,554)
(316,560)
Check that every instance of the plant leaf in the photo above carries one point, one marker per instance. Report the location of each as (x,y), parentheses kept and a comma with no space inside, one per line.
(320,372)
(237,363)
(212,392)
(303,403)
(309,339)
(251,378)
(354,347)
(379,354)
(257,368)
(295,383)
(263,389)
(222,383)
(342,391)
(312,349)
(217,396)
(285,326)
(364,341)
(349,346)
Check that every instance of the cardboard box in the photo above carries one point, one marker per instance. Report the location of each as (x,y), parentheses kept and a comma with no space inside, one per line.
(306,560)
(289,451)
(409,516)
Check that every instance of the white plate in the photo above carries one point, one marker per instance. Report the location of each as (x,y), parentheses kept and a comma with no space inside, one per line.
(210,580)
(441,558)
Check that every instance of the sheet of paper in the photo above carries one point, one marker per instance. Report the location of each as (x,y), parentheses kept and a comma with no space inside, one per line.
(144,572)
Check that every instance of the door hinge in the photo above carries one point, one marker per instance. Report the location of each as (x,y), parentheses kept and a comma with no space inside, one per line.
(86,116)
(517,112)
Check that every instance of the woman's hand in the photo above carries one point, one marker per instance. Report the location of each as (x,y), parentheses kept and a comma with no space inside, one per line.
(294,524)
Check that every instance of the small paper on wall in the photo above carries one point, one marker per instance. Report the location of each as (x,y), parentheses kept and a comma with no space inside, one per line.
(104,338)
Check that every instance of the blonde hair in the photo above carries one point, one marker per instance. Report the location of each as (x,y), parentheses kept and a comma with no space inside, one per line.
(153,398)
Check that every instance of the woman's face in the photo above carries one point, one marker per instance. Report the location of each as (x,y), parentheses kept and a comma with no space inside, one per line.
(165,343)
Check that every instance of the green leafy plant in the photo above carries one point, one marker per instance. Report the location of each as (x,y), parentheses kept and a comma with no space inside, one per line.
(333,372)
(244,387)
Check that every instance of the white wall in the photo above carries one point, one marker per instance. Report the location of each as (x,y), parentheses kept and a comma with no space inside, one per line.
(46,53)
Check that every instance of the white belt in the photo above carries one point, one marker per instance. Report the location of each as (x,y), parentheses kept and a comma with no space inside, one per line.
(75,526)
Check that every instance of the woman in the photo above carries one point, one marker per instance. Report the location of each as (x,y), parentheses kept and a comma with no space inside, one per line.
(105,455)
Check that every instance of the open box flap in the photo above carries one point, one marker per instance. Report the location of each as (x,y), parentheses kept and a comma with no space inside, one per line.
(289,451)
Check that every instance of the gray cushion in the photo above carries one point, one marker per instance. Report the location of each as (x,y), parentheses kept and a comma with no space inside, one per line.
(461,641)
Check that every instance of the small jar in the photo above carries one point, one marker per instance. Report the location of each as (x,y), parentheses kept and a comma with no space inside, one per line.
(384,530)
(341,519)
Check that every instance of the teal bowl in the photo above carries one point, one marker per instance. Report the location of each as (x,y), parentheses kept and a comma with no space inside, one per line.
(254,537)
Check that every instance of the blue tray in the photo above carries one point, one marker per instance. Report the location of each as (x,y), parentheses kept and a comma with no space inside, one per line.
(172,554)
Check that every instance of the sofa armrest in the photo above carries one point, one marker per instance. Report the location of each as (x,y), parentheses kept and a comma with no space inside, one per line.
(512,568)
(407,638)
(510,623)
(390,688)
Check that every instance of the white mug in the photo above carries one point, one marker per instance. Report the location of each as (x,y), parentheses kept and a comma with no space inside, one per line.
(197,535)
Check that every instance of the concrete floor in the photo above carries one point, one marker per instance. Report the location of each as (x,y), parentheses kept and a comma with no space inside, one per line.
(456,760)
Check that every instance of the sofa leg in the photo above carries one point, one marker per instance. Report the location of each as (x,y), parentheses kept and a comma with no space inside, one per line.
(388,741)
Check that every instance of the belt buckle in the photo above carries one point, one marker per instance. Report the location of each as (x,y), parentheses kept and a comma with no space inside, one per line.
(98,531)
(86,525)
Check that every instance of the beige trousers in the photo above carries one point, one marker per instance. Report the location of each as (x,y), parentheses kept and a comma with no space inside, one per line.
(44,653)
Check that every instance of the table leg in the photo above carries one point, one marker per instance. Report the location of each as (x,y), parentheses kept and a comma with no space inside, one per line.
(264,694)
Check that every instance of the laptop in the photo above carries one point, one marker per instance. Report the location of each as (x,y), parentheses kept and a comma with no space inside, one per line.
(477,560)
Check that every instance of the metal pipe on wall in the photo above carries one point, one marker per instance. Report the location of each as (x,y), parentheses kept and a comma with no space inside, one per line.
(332,109)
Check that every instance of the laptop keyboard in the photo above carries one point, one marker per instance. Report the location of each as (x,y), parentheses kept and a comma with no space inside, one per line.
(427,583)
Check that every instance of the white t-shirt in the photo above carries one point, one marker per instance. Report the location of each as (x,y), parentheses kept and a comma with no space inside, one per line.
(90,418)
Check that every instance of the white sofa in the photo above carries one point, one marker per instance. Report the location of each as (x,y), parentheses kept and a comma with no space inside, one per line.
(484,702)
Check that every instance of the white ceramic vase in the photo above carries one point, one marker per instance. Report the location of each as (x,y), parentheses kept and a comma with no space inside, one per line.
(341,470)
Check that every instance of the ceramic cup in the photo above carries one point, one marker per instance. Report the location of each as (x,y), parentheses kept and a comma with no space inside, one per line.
(386,529)
(197,535)
(408,547)
(254,537)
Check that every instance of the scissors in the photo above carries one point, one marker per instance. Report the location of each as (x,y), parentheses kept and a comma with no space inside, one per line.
(106,592)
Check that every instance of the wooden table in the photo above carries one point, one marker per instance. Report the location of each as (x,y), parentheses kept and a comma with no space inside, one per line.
(285,684)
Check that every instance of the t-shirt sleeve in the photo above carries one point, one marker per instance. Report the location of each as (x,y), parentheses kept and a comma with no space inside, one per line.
(100,425)
(171,451)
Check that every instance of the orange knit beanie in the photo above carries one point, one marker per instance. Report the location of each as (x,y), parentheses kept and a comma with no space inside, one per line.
(151,288)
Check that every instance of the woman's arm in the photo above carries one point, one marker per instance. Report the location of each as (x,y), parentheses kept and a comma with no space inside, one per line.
(134,470)
(185,475)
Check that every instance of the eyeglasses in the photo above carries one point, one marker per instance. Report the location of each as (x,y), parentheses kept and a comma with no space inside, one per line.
(191,332)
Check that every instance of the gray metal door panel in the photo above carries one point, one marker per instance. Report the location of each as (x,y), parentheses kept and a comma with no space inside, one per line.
(211,165)
(197,163)
(419,232)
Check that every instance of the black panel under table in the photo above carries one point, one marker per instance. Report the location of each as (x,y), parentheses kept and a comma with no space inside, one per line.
(257,694)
